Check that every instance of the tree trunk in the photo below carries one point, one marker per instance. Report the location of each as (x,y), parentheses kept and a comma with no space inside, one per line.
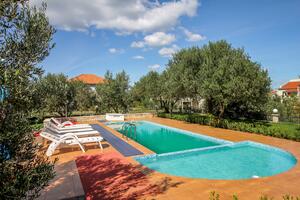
(221,111)
(61,113)
(161,103)
(116,110)
(172,106)
(209,106)
(166,106)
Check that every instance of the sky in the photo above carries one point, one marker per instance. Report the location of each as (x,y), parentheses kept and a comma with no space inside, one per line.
(140,35)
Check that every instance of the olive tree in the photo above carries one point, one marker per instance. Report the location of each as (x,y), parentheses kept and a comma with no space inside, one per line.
(148,90)
(25,40)
(84,96)
(113,94)
(230,82)
(297,109)
(182,76)
(58,94)
(183,70)
(233,85)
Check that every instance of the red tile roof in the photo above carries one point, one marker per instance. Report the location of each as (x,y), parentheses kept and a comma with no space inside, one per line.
(90,79)
(291,86)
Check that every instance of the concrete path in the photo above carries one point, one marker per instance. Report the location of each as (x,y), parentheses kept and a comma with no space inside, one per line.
(65,185)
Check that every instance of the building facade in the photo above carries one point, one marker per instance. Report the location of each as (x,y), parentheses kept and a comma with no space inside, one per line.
(291,88)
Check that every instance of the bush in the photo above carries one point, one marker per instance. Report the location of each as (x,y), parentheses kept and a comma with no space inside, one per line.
(216,196)
(286,131)
(36,127)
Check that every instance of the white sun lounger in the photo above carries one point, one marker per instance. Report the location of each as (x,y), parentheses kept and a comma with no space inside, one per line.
(68,129)
(68,124)
(68,139)
(81,131)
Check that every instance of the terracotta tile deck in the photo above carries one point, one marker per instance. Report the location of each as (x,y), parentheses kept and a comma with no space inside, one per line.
(172,187)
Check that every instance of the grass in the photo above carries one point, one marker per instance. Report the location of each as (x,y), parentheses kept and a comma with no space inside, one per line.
(291,129)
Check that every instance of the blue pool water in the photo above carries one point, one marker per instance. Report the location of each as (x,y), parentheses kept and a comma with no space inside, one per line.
(186,154)
(237,161)
(164,139)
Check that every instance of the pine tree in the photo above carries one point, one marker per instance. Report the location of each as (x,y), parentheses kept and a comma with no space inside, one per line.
(25,40)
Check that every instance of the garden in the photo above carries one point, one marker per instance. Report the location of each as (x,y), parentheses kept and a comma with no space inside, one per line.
(234,89)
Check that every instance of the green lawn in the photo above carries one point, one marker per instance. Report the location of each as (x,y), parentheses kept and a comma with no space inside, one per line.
(289,128)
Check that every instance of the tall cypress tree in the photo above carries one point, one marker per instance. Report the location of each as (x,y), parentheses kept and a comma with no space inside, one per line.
(25,40)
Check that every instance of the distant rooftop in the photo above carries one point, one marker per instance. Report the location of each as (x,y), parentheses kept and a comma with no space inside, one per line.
(90,79)
(291,86)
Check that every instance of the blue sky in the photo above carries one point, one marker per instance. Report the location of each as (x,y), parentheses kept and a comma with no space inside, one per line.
(140,35)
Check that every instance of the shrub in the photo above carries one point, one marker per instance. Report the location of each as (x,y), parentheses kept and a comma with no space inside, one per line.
(216,196)
(251,126)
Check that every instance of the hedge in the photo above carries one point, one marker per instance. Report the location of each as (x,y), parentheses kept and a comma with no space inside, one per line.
(260,127)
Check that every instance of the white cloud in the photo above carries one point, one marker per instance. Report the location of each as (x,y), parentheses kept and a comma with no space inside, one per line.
(192,37)
(138,57)
(121,16)
(156,39)
(168,51)
(139,44)
(159,39)
(115,50)
(154,67)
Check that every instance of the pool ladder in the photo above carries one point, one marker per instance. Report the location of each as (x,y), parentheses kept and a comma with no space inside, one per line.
(128,130)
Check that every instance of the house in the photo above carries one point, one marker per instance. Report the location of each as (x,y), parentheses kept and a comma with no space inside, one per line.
(191,104)
(90,79)
(290,88)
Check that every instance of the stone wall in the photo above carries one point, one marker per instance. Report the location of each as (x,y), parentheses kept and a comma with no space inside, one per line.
(129,116)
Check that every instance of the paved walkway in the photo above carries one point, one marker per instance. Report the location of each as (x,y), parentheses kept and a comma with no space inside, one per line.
(66,183)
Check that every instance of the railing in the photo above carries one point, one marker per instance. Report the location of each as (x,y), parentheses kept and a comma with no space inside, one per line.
(128,130)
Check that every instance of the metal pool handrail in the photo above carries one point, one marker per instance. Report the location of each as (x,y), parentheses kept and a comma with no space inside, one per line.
(126,130)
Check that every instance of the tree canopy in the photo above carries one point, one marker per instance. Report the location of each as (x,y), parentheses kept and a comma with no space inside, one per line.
(230,82)
(84,96)
(58,94)
(25,40)
(148,90)
(233,85)
(113,94)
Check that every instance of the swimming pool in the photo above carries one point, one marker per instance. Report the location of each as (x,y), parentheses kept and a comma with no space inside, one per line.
(187,154)
(164,139)
(242,160)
